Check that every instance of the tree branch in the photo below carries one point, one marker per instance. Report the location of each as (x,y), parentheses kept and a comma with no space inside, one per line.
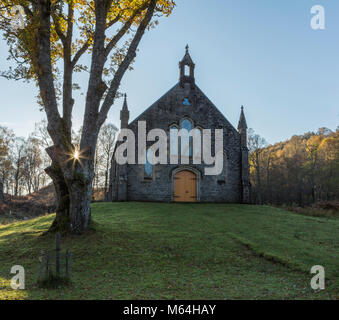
(131,53)
(114,21)
(95,83)
(124,29)
(58,29)
(80,52)
(44,70)
(68,101)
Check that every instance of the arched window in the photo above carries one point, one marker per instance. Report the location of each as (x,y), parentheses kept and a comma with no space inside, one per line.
(186,124)
(197,145)
(186,102)
(174,145)
(186,142)
(187,70)
(148,164)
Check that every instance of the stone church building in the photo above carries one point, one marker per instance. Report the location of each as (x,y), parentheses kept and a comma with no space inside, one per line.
(184,106)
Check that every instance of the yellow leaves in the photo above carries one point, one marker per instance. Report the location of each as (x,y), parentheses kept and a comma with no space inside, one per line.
(84,13)
(128,8)
(314,141)
(79,15)
(166,7)
(329,147)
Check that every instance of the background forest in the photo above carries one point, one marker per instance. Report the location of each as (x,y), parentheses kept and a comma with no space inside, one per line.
(300,171)
(22,161)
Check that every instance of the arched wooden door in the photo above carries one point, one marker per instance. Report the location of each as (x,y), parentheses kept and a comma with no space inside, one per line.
(185,186)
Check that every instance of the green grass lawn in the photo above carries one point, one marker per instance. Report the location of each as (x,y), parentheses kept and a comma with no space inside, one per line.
(181,251)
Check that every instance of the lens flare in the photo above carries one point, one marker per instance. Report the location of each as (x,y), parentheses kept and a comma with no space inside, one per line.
(76,155)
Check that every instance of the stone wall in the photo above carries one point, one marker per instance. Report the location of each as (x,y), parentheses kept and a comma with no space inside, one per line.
(128,182)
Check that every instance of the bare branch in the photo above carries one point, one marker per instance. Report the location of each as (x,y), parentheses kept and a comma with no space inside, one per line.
(114,21)
(80,52)
(124,29)
(131,53)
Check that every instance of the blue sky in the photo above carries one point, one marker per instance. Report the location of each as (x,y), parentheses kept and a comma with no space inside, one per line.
(262,54)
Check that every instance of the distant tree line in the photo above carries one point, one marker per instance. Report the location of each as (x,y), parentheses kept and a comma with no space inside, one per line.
(300,171)
(23,161)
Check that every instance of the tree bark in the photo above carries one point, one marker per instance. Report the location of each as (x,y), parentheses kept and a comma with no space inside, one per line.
(1,191)
(73,186)
(73,213)
(80,209)
(61,222)
(16,186)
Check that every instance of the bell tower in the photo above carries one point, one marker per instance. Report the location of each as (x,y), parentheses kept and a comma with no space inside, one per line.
(186,66)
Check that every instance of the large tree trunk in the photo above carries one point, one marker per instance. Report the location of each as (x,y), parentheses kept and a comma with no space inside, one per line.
(72,180)
(80,209)
(61,222)
(73,213)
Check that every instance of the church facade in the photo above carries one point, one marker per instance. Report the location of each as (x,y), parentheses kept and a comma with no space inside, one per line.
(184,106)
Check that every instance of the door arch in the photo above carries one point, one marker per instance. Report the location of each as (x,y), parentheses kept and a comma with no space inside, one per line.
(185,186)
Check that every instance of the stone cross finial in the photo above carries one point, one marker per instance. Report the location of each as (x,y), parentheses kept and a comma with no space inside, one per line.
(187,48)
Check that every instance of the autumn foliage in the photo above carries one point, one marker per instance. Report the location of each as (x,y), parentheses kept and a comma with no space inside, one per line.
(47,48)
(300,171)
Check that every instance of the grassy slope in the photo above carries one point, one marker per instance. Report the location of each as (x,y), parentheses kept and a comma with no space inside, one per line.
(181,251)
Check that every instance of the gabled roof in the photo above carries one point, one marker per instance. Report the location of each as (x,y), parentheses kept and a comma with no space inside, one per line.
(152,108)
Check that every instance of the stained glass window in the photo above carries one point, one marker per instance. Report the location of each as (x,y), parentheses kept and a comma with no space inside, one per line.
(174,145)
(186,102)
(197,135)
(148,165)
(186,144)
(186,124)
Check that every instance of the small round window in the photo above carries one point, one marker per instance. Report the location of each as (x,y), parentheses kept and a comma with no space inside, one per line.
(186,102)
